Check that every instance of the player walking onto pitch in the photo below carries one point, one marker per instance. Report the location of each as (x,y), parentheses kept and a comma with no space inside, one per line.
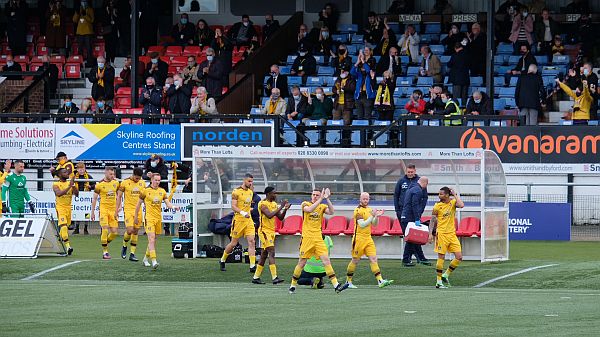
(362,242)
(153,197)
(107,191)
(242,226)
(3,176)
(131,189)
(64,190)
(442,222)
(14,192)
(268,210)
(312,243)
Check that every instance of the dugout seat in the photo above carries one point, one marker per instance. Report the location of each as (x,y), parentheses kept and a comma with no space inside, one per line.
(336,225)
(292,225)
(382,227)
(468,226)
(350,229)
(396,229)
(278,224)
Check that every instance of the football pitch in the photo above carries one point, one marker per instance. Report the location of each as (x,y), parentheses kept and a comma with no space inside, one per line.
(93,297)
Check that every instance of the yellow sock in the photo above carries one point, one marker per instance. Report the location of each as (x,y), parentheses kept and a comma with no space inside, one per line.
(331,274)
(439,268)
(452,266)
(152,255)
(350,271)
(224,257)
(273,269)
(112,236)
(134,241)
(64,235)
(296,275)
(126,238)
(376,271)
(252,261)
(259,270)
(147,253)
(104,240)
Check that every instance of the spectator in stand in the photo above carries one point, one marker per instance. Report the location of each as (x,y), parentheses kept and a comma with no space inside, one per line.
(329,16)
(387,41)
(297,104)
(477,49)
(409,44)
(319,108)
(586,34)
(545,30)
(374,29)
(451,108)
(479,104)
(366,84)
(104,113)
(211,73)
(204,35)
(304,65)
(522,29)
(442,7)
(223,50)
(12,66)
(86,108)
(435,103)
(184,32)
(583,101)
(528,95)
(369,58)
(277,80)
(156,164)
(149,22)
(84,19)
(578,6)
(151,99)
(203,105)
(343,92)
(402,7)
(454,36)
(270,27)
(109,18)
(523,64)
(384,99)
(180,98)
(557,47)
(102,77)
(390,63)
(16,17)
(325,46)
(341,60)
(68,109)
(56,36)
(459,65)
(190,72)
(304,39)
(165,98)
(586,74)
(124,26)
(536,7)
(275,105)
(50,80)
(242,32)
(157,68)
(416,104)
(125,74)
(430,65)
(505,15)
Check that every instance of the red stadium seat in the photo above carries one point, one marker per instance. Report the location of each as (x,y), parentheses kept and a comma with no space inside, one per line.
(278,224)
(179,60)
(292,225)
(57,59)
(158,49)
(173,51)
(124,91)
(382,227)
(336,225)
(396,229)
(191,51)
(99,49)
(22,60)
(468,226)
(123,101)
(214,27)
(35,66)
(73,70)
(41,49)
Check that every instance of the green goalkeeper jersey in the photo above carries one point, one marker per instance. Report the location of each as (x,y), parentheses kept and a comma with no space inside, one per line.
(16,188)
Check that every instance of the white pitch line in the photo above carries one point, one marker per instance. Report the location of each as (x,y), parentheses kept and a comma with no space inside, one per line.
(43,272)
(482,284)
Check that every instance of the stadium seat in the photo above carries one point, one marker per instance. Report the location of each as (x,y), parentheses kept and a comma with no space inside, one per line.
(173,51)
(348,28)
(504,48)
(314,81)
(499,81)
(425,81)
(352,49)
(468,226)
(404,59)
(513,59)
(289,135)
(334,137)
(396,229)
(425,219)
(404,81)
(290,59)
(278,224)
(433,28)
(358,39)
(320,59)
(285,70)
(294,80)
(560,59)
(191,51)
(73,70)
(437,49)
(291,225)
(506,92)
(550,72)
(325,71)
(412,71)
(477,81)
(500,59)
(341,38)
(350,229)
(444,59)
(179,60)
(75,59)
(513,81)
(499,104)
(542,60)
(355,138)
(336,225)
(313,135)
(383,226)
(384,138)
(510,102)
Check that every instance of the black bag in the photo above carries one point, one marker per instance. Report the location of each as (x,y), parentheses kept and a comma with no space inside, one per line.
(236,255)
(221,226)
(213,251)
(185,231)
(182,248)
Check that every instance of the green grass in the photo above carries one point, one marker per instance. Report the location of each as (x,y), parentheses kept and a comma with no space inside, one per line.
(193,298)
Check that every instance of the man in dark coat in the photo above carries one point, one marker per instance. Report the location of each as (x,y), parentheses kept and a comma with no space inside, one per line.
(151,98)
(528,95)
(389,62)
(102,77)
(277,80)
(479,104)
(183,32)
(270,27)
(211,72)
(157,68)
(304,65)
(415,200)
(297,105)
(16,16)
(12,66)
(180,96)
(241,33)
(156,164)
(459,65)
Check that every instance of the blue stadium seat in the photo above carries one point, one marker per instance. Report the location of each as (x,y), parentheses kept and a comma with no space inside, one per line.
(565,122)
(510,102)
(446,79)
(560,59)
(443,36)
(431,122)
(507,92)
(285,70)
(437,49)
(289,135)
(341,38)
(263,101)
(334,137)
(327,80)
(395,27)
(593,123)
(355,138)
(348,28)
(477,81)
(550,72)
(500,59)
(384,138)
(404,59)
(513,81)
(404,81)
(294,80)
(356,38)
(314,81)
(352,49)
(542,60)
(412,71)
(313,135)
(501,70)
(426,38)
(499,104)
(425,81)
(377,58)
(324,71)
(400,102)
(504,48)
(513,59)
(433,28)
(320,59)
(499,81)
(475,123)
(444,59)
(290,59)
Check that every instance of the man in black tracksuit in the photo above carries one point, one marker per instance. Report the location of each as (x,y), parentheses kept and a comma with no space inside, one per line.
(409,179)
(415,200)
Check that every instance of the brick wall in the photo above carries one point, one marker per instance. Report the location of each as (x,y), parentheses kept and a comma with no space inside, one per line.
(10,89)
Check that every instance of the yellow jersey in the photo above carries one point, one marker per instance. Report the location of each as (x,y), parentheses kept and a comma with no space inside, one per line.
(131,193)
(65,200)
(365,213)
(108,194)
(266,224)
(2,179)
(153,198)
(244,201)
(67,165)
(312,222)
(445,215)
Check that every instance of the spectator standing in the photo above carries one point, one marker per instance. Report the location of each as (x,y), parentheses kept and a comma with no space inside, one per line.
(184,32)
(180,96)
(156,164)
(374,29)
(414,202)
(304,65)
(319,108)
(583,101)
(387,41)
(430,65)
(86,108)
(304,39)
(16,16)
(165,98)
(271,26)
(84,20)
(125,74)
(329,16)
(545,30)
(454,36)
(369,58)
(522,29)
(211,73)
(277,80)
(523,64)
(12,66)
(384,99)
(102,77)
(390,63)
(151,98)
(343,92)
(366,86)
(190,72)
(409,44)
(416,104)
(479,104)
(586,34)
(459,65)
(275,105)
(204,35)
(66,112)
(297,104)
(341,60)
(157,68)
(451,108)
(477,49)
(56,36)
(435,104)
(109,19)
(124,26)
(557,46)
(325,46)
(242,32)
(202,104)
(223,50)
(588,75)
(149,22)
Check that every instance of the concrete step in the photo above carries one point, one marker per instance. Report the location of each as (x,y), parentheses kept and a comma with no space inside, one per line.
(564,105)
(555,116)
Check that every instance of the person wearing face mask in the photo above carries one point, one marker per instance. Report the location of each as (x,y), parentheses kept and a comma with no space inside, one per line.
(15,12)
(343,93)
(270,27)
(104,112)
(384,100)
(366,84)
(459,65)
(409,44)
(329,16)
(582,102)
(211,73)
(387,41)
(165,99)
(150,99)
(203,105)
(190,72)
(341,60)
(304,65)
(297,105)
(319,108)
(545,30)
(224,50)
(180,96)
(12,66)
(102,77)
(56,36)
(304,38)
(522,29)
(66,110)
(157,68)
(84,20)
(416,104)
(156,164)
(454,36)
(477,49)
(276,80)
(275,105)
(435,104)
(204,35)
(242,32)
(86,108)
(451,108)
(183,32)
(523,64)
(109,18)
(390,63)
(587,74)
(325,46)
(479,104)
(431,65)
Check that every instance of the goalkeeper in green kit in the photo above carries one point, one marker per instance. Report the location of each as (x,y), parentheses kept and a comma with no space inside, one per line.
(14,192)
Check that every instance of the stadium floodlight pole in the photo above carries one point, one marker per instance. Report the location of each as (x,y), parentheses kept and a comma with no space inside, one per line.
(489,59)
(135,52)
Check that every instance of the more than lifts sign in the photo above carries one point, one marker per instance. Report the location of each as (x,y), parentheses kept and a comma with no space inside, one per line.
(524,144)
(539,221)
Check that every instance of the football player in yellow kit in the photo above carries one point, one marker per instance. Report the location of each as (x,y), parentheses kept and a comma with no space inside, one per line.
(107,191)
(130,189)
(64,190)
(3,175)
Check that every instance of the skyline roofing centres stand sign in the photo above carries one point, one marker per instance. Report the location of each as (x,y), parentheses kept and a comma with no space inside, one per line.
(539,221)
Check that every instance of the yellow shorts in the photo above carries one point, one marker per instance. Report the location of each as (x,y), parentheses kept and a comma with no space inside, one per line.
(153,226)
(310,247)
(446,243)
(129,217)
(107,219)
(242,228)
(64,216)
(267,239)
(363,246)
